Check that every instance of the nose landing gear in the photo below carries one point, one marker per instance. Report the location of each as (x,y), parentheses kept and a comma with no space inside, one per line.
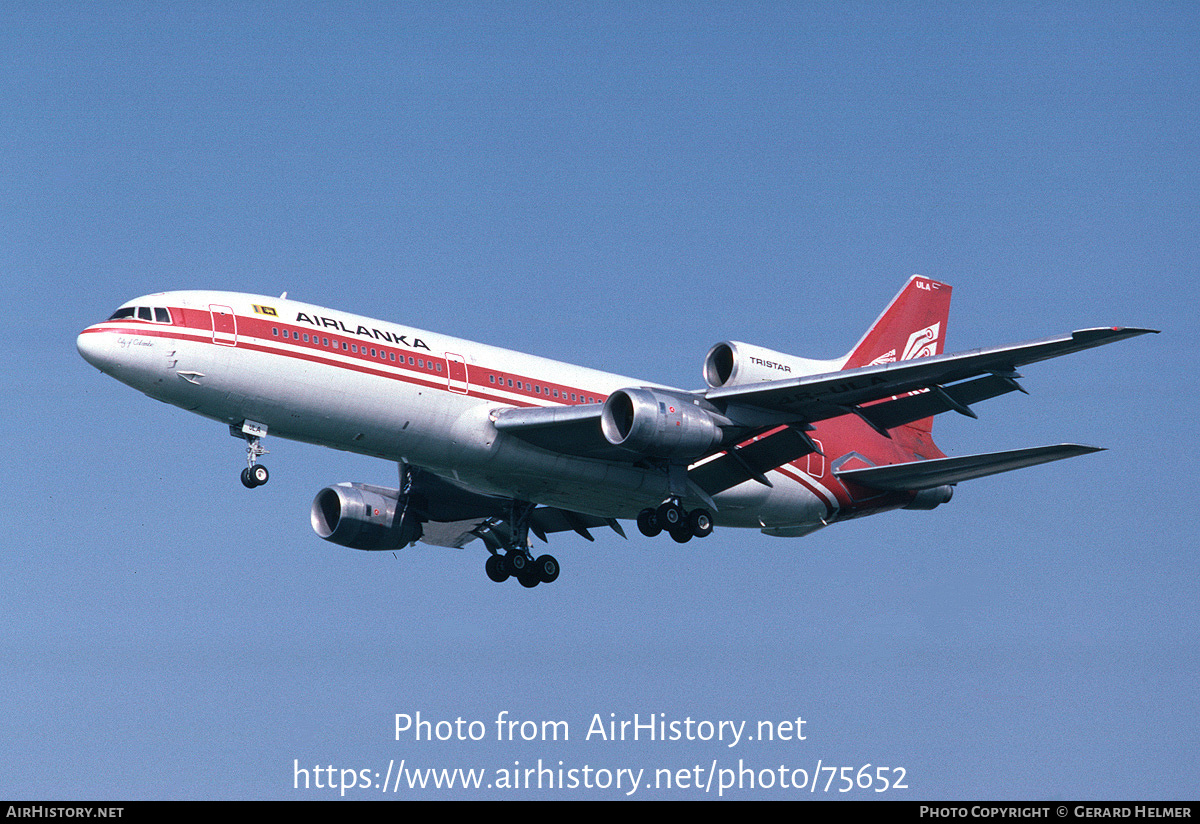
(255,474)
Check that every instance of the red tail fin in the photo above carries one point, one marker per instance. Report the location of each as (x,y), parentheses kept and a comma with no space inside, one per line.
(912,326)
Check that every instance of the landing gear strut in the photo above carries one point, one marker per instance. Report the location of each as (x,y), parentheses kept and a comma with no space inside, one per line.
(517,561)
(255,474)
(671,518)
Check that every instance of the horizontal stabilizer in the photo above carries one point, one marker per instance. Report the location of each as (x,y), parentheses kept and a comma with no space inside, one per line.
(928,474)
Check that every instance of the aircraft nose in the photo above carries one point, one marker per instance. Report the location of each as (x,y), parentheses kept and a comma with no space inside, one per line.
(95,348)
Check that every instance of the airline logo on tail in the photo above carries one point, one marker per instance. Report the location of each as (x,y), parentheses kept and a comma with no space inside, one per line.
(922,343)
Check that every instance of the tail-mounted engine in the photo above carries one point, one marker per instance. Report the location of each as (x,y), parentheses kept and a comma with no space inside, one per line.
(363,517)
(931,498)
(731,363)
(658,424)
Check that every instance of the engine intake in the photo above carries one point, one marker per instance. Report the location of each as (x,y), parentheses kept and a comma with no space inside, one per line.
(657,424)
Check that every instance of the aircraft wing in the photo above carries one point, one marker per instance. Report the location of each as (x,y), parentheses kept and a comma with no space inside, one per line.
(817,397)
(769,419)
(571,430)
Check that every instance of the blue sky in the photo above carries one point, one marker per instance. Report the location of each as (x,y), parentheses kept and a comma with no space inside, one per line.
(618,186)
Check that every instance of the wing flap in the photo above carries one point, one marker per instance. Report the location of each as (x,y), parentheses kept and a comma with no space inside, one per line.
(497,532)
(751,460)
(918,475)
(890,414)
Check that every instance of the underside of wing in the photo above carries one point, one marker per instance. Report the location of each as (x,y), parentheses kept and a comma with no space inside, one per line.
(569,430)
(498,533)
(751,459)
(453,515)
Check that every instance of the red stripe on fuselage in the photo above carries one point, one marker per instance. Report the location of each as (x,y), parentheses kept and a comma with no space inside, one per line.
(198,322)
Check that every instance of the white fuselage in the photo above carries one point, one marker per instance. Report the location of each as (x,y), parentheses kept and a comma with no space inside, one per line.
(367,386)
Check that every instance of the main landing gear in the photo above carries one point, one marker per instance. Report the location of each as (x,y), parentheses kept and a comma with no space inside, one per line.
(255,474)
(671,518)
(517,561)
(520,564)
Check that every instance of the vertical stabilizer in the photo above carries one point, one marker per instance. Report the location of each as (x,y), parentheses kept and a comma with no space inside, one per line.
(912,326)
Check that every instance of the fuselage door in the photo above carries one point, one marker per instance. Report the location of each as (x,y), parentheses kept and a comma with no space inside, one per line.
(224,324)
(456,373)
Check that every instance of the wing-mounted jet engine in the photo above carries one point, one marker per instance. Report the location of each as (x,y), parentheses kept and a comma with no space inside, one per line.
(660,425)
(361,516)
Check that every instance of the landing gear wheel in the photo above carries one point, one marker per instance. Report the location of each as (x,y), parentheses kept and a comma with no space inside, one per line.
(516,563)
(546,567)
(669,515)
(700,523)
(529,579)
(647,521)
(681,534)
(256,475)
(496,569)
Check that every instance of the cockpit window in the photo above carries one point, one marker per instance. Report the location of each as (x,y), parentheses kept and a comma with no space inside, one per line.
(156,314)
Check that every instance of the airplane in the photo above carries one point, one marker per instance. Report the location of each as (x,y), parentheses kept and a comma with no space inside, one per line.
(496,445)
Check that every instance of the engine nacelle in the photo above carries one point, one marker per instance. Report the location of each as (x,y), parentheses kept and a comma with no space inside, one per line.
(931,498)
(361,517)
(731,363)
(658,424)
